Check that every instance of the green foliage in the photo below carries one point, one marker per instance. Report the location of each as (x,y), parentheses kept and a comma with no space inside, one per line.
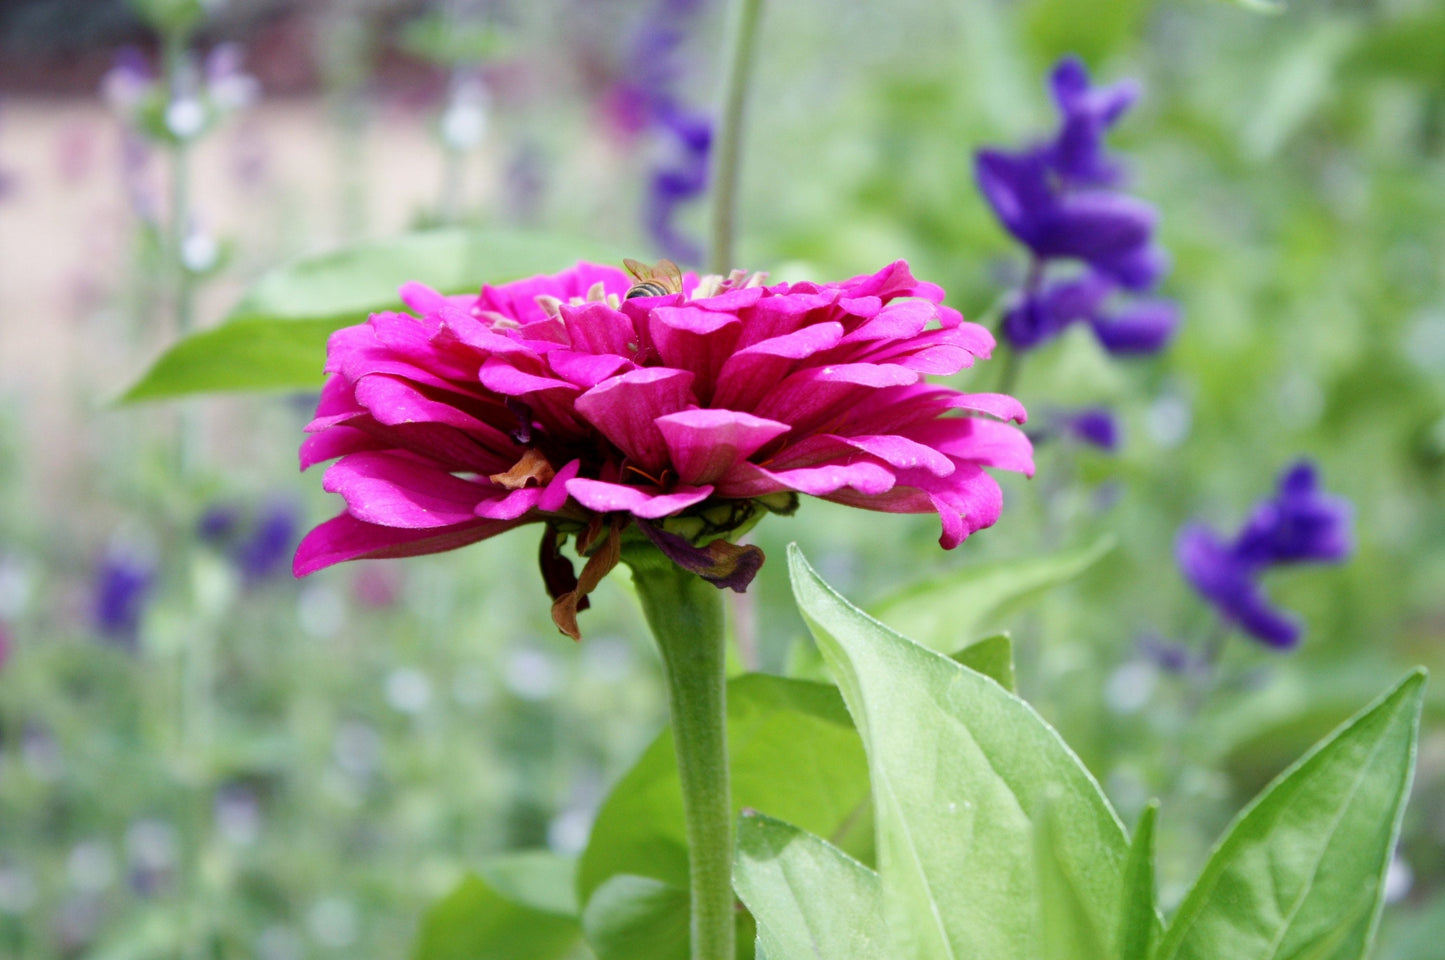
(993,657)
(794,754)
(1139,925)
(1301,872)
(275,338)
(993,838)
(450,41)
(637,918)
(949,612)
(519,909)
(809,898)
(961,770)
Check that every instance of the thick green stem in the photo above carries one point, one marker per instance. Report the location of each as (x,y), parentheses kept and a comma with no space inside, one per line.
(728,143)
(685,613)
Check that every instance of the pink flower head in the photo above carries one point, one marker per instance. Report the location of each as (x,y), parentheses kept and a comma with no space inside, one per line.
(560,400)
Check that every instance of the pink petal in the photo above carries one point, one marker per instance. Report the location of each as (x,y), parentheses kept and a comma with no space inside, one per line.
(333,443)
(750,480)
(979,440)
(597,328)
(392,401)
(999,405)
(502,377)
(346,538)
(626,407)
(820,393)
(511,506)
(554,498)
(903,453)
(396,491)
(687,338)
(421,298)
(607,497)
(704,444)
(586,370)
(749,373)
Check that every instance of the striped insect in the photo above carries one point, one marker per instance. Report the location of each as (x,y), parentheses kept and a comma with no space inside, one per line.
(658,280)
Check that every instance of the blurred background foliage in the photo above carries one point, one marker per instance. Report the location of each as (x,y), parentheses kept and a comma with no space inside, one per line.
(202,757)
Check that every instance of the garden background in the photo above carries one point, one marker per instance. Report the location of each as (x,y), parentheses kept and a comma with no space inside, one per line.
(201,756)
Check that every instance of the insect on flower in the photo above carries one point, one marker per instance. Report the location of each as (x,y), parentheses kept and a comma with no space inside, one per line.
(659,280)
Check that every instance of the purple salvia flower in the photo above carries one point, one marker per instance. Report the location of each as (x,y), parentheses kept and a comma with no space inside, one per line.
(123,585)
(1299,525)
(1053,199)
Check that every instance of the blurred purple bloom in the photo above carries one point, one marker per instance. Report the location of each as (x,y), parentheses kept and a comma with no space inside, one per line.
(8,180)
(1144,326)
(1087,114)
(1168,655)
(218,523)
(1052,199)
(272,540)
(656,65)
(260,545)
(129,81)
(1299,525)
(1095,426)
(122,587)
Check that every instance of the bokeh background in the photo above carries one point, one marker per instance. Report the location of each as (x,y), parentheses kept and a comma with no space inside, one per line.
(201,757)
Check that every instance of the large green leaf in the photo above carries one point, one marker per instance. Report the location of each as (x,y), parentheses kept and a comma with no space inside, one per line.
(1070,928)
(275,338)
(1301,871)
(522,910)
(960,769)
(637,918)
(952,611)
(993,657)
(810,900)
(794,754)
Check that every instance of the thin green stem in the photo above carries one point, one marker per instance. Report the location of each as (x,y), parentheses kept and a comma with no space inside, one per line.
(685,613)
(728,143)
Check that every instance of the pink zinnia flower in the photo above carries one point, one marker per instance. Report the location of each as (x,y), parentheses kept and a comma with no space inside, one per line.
(558,400)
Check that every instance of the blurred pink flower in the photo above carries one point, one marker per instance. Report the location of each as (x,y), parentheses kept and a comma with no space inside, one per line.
(560,400)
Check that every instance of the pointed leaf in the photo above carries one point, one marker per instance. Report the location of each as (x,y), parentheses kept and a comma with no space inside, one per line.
(1139,924)
(793,753)
(1301,871)
(810,900)
(951,611)
(993,657)
(275,338)
(1069,928)
(958,765)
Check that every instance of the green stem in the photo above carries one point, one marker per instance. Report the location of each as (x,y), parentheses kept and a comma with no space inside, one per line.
(685,613)
(726,158)
(183,289)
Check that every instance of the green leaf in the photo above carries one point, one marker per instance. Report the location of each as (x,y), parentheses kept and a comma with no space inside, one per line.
(637,918)
(959,766)
(478,920)
(993,657)
(1070,929)
(793,753)
(1300,873)
(1139,924)
(949,612)
(275,338)
(535,878)
(808,897)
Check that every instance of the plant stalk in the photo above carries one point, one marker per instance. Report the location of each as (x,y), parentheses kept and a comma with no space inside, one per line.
(685,613)
(728,142)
